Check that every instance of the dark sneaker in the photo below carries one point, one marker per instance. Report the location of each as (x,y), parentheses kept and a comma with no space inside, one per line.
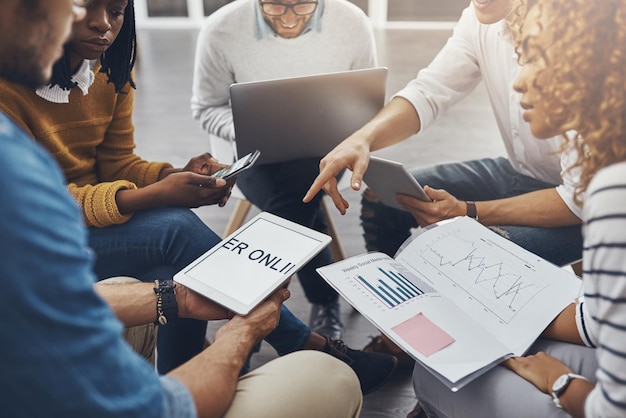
(372,369)
(325,321)
(417,412)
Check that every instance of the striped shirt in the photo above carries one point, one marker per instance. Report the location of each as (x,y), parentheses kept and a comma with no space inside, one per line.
(604,261)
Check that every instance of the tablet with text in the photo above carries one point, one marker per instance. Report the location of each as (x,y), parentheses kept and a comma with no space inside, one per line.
(388,178)
(252,262)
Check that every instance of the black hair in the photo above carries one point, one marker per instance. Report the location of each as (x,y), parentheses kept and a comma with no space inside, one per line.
(117,62)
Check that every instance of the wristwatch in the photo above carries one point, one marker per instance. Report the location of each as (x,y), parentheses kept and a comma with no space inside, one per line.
(471,209)
(561,383)
(167,307)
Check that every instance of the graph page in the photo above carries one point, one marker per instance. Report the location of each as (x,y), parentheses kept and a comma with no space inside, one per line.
(458,297)
(512,292)
(426,325)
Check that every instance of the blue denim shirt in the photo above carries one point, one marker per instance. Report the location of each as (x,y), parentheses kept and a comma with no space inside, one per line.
(63,354)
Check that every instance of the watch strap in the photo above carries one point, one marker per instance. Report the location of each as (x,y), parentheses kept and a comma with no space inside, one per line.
(471,209)
(166,306)
(563,382)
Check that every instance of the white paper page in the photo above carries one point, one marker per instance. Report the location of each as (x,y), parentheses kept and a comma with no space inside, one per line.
(377,286)
(511,291)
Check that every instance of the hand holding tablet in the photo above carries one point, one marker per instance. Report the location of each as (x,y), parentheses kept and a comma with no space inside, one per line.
(388,178)
(251,263)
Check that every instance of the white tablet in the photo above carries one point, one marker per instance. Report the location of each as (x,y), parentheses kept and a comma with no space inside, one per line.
(252,262)
(388,178)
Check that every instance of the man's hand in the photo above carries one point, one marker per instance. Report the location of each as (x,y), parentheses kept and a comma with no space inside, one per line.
(259,322)
(443,206)
(212,376)
(353,154)
(193,305)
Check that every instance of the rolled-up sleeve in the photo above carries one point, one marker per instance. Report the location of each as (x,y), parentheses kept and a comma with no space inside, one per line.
(453,74)
(570,178)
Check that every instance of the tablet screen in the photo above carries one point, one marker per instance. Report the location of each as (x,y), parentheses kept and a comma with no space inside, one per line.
(252,262)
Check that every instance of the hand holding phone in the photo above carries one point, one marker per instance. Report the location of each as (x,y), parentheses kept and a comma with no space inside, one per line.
(238,166)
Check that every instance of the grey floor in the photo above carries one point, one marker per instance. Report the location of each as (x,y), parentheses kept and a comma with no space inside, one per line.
(165,131)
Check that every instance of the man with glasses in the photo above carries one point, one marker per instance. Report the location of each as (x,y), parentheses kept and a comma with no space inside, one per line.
(304,8)
(62,347)
(251,40)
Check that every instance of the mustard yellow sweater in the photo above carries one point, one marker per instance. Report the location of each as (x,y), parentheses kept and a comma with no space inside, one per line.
(92,138)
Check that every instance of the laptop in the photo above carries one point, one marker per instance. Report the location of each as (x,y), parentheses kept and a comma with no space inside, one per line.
(304,117)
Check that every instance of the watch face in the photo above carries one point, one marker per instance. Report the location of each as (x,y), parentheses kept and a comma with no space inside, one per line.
(560,383)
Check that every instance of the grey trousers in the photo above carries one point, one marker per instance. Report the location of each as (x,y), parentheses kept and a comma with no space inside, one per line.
(500,393)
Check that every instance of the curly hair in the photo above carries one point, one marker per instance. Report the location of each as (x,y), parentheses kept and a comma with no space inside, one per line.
(584,45)
(117,62)
(515,18)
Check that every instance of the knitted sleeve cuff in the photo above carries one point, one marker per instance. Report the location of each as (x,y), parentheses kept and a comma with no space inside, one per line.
(100,208)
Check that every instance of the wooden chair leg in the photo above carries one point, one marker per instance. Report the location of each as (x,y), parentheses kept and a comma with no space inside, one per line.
(578,268)
(238,216)
(336,249)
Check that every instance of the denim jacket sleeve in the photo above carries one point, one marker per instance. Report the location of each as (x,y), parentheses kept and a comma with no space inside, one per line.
(62,348)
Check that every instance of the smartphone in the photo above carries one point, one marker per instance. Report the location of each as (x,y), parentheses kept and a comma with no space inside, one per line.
(238,166)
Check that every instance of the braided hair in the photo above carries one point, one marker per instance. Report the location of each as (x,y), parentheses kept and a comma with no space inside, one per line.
(117,62)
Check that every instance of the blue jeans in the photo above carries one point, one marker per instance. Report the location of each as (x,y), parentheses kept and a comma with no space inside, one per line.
(279,188)
(385,228)
(158,243)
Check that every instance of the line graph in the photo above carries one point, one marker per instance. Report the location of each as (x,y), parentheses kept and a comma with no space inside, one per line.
(484,271)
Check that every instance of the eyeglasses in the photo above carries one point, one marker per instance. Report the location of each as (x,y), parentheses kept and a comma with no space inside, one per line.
(272,8)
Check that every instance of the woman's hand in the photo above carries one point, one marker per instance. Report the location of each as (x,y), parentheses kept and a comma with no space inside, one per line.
(540,369)
(203,164)
(190,190)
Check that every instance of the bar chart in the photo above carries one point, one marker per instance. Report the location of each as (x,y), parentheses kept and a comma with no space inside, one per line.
(391,288)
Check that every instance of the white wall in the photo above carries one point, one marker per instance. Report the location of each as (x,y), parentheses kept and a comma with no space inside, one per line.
(377,10)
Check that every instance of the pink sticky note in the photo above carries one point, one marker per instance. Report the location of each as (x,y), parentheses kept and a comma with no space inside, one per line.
(423,335)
